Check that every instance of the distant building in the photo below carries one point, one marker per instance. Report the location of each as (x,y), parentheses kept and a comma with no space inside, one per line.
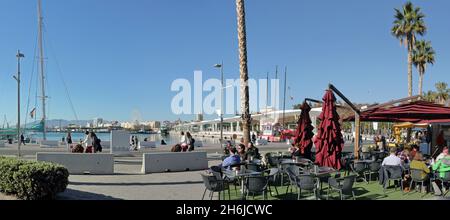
(97,123)
(199,117)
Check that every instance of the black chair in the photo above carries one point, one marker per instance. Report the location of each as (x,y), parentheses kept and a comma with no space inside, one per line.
(273,161)
(393,173)
(343,185)
(374,167)
(293,172)
(360,169)
(416,177)
(366,155)
(306,182)
(445,179)
(257,185)
(213,185)
(272,178)
(254,167)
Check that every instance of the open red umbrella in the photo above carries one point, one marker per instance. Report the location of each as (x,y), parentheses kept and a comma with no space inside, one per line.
(328,141)
(304,133)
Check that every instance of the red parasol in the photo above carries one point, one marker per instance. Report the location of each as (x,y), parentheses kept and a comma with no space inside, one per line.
(328,141)
(304,133)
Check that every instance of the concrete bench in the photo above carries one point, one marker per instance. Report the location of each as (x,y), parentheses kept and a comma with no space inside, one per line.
(2,144)
(81,163)
(47,143)
(106,144)
(146,144)
(174,162)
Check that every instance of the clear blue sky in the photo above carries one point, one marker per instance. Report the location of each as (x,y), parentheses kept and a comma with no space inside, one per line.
(121,56)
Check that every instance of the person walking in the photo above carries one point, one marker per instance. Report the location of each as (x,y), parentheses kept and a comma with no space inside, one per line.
(22,139)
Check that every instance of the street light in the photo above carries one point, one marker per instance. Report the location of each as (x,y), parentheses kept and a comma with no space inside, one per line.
(221,100)
(17,78)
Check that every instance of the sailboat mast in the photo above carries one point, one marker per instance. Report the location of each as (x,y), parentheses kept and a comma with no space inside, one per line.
(41,61)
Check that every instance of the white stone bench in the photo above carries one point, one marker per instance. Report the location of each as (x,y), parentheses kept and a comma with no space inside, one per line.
(2,144)
(174,162)
(146,144)
(47,143)
(79,163)
(106,144)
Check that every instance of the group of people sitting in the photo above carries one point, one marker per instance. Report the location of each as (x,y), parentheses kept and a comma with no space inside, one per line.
(235,154)
(91,143)
(186,143)
(415,161)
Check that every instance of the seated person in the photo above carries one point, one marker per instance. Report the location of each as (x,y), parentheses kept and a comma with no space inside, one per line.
(414,150)
(442,166)
(241,152)
(162,142)
(392,159)
(176,148)
(419,164)
(404,157)
(252,152)
(231,160)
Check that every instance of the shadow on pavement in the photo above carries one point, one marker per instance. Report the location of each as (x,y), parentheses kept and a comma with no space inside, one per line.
(71,194)
(132,184)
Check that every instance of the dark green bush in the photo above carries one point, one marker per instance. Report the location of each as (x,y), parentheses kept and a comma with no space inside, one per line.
(32,180)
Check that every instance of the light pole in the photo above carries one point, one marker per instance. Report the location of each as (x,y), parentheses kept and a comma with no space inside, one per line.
(17,78)
(221,99)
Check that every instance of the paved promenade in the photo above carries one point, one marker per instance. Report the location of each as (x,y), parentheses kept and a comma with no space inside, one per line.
(129,184)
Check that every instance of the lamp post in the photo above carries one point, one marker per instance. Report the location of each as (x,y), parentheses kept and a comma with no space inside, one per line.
(221,99)
(17,78)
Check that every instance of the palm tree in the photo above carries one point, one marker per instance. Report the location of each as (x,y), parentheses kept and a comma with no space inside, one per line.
(408,22)
(442,92)
(242,37)
(430,96)
(423,54)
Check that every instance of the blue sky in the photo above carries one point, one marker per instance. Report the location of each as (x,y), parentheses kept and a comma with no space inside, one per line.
(119,57)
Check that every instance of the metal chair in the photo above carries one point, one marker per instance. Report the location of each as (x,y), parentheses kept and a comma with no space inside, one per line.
(393,173)
(213,185)
(256,185)
(272,178)
(293,172)
(360,169)
(344,189)
(374,167)
(416,177)
(306,182)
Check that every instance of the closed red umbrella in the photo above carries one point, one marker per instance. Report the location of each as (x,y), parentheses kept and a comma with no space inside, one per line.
(304,133)
(329,141)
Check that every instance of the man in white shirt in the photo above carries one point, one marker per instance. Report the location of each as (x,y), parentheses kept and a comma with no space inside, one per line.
(392,159)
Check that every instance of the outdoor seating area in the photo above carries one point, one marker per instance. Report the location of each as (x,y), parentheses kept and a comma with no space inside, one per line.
(278,178)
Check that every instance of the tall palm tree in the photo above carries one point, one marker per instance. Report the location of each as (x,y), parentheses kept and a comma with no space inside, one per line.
(442,92)
(423,54)
(408,22)
(242,37)
(430,96)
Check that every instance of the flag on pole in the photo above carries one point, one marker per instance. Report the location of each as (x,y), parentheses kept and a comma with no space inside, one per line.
(33,113)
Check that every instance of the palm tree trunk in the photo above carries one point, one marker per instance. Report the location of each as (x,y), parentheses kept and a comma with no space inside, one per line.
(409,70)
(421,72)
(242,36)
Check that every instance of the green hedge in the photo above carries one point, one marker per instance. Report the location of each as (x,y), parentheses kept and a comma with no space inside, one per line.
(32,180)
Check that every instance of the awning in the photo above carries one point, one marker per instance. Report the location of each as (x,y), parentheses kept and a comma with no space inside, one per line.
(414,112)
